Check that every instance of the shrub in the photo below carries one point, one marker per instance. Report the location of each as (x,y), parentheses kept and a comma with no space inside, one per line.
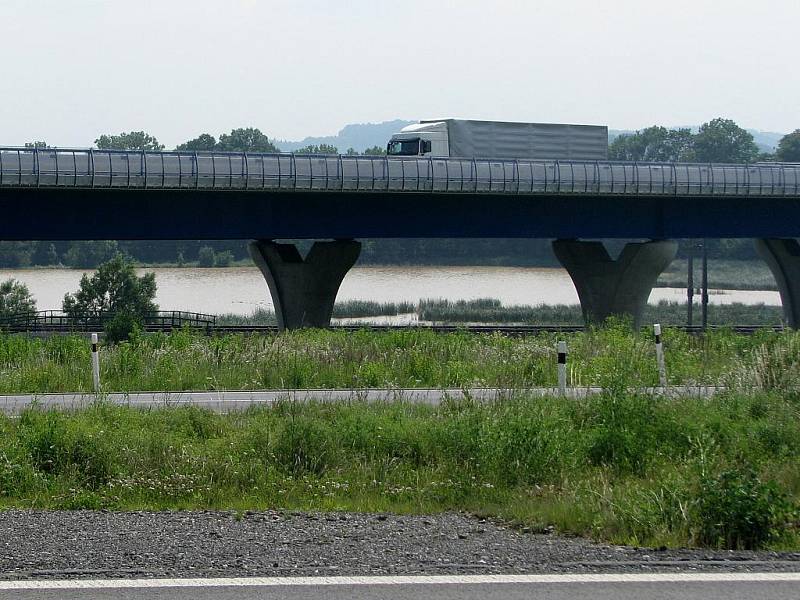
(223,259)
(737,510)
(205,257)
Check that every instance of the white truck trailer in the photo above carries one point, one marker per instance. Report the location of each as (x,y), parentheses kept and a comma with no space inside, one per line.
(498,139)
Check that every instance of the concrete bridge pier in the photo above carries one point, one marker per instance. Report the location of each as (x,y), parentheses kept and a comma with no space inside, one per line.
(304,289)
(614,287)
(782,256)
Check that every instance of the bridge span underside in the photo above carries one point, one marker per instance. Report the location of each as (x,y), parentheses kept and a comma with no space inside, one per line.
(88,194)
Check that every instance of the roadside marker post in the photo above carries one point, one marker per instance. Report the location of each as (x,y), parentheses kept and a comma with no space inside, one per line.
(95,365)
(662,369)
(562,368)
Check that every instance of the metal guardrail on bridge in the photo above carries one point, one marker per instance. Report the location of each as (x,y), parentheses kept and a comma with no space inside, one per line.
(69,168)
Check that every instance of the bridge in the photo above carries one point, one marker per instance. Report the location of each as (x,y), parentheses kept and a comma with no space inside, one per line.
(55,194)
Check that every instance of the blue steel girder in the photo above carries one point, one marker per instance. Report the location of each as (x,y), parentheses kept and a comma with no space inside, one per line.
(69,213)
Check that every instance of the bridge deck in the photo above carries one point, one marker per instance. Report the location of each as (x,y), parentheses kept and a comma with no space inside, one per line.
(68,168)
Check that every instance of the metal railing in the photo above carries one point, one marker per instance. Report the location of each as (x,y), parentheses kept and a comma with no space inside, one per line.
(45,320)
(67,168)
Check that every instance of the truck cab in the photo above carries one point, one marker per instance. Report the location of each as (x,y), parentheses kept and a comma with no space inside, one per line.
(420,139)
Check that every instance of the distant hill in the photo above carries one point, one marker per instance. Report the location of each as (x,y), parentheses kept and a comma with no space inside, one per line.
(366,135)
(358,136)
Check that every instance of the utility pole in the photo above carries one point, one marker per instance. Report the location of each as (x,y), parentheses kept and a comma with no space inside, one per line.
(690,286)
(704,297)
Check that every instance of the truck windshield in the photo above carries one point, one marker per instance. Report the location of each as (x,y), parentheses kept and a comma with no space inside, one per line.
(403,147)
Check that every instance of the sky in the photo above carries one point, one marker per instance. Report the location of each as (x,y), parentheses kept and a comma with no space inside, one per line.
(294,68)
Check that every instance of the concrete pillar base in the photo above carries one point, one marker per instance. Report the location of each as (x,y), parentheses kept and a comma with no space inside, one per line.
(782,256)
(609,287)
(304,290)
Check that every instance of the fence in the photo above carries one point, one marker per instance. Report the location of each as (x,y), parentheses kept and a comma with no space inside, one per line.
(50,320)
(67,168)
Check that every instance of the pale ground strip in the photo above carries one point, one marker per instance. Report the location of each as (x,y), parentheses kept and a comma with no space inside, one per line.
(228,401)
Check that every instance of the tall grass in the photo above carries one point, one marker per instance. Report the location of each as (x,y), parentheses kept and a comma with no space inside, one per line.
(183,360)
(619,467)
(492,310)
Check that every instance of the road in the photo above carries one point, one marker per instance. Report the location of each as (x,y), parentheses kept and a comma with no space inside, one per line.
(662,586)
(227,401)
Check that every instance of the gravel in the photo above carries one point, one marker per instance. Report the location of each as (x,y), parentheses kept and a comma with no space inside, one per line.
(91,544)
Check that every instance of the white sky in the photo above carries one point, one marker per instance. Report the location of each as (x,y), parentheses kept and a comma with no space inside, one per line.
(176,68)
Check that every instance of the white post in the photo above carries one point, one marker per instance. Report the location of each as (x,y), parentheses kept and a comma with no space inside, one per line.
(95,365)
(562,368)
(662,369)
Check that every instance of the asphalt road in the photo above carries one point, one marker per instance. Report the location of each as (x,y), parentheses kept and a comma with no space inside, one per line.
(751,586)
(227,401)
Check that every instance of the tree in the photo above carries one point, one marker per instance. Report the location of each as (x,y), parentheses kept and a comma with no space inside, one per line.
(375,151)
(723,141)
(321,149)
(16,254)
(789,147)
(32,145)
(657,144)
(202,143)
(90,253)
(15,299)
(245,140)
(135,140)
(114,290)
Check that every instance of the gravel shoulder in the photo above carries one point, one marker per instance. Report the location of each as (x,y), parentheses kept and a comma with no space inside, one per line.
(90,544)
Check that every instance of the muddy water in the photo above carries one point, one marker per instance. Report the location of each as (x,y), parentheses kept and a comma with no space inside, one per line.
(241,290)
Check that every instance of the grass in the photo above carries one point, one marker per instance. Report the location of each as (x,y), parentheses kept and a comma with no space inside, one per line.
(617,467)
(184,360)
(492,310)
(620,466)
(722,274)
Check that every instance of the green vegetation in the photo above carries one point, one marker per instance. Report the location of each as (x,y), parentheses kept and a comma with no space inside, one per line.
(629,469)
(789,147)
(619,466)
(718,141)
(116,290)
(407,358)
(135,140)
(490,310)
(722,274)
(15,299)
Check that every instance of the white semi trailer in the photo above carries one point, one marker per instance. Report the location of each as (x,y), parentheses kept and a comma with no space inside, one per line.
(498,139)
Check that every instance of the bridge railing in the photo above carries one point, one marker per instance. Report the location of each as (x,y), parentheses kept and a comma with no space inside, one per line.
(62,168)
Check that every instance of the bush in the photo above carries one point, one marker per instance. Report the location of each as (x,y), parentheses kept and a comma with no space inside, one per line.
(223,259)
(737,510)
(121,326)
(205,257)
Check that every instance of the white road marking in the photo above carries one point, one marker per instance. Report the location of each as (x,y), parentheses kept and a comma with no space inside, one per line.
(83,584)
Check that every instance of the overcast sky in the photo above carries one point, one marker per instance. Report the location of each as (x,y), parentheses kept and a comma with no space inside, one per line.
(176,68)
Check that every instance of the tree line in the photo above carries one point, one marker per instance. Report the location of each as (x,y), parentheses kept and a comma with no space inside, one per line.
(719,140)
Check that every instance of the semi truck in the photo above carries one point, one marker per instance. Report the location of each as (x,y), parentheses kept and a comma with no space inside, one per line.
(500,140)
